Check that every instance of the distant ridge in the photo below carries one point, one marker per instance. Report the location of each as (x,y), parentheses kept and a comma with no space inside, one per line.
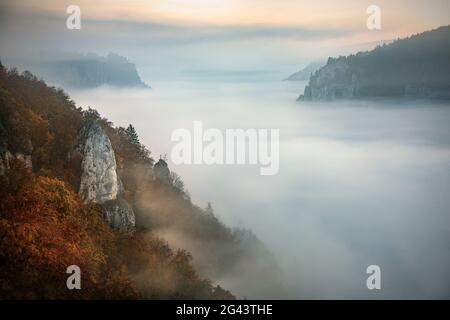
(90,71)
(417,67)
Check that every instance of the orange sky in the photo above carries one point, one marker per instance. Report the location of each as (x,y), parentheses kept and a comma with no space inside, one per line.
(407,14)
(399,18)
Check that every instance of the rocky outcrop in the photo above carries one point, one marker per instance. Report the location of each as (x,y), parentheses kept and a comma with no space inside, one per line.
(7,158)
(336,80)
(161,171)
(99,182)
(119,214)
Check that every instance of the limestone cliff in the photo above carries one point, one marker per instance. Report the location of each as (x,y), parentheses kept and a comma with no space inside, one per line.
(336,80)
(99,182)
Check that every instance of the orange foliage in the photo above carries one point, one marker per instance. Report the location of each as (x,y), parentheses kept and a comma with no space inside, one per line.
(43,229)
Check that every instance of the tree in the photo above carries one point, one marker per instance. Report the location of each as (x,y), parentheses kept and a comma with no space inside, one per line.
(176,182)
(91,114)
(132,135)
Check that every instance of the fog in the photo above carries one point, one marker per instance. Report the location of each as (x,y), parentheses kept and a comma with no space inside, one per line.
(360,183)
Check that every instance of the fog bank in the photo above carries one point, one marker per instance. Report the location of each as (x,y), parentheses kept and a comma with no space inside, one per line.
(360,183)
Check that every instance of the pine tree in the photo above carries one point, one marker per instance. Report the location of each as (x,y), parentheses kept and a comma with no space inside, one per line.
(132,135)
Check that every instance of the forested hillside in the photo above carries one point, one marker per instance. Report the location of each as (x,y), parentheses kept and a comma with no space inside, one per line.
(414,67)
(45,226)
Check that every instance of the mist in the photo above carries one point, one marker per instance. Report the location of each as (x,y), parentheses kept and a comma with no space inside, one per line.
(360,183)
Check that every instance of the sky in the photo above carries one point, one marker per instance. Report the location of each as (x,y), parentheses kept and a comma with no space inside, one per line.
(409,15)
(172,38)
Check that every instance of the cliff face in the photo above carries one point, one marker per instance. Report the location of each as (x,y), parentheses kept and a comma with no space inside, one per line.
(336,80)
(416,67)
(99,182)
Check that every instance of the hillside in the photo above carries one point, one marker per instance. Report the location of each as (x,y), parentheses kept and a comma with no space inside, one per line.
(415,67)
(75,189)
(89,71)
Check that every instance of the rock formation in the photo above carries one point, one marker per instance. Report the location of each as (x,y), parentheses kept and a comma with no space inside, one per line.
(119,214)
(99,182)
(334,81)
(7,157)
(161,171)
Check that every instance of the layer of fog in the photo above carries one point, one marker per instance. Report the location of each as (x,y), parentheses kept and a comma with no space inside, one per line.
(359,183)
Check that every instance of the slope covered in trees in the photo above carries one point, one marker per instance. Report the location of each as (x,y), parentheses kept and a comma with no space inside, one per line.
(45,227)
(414,67)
